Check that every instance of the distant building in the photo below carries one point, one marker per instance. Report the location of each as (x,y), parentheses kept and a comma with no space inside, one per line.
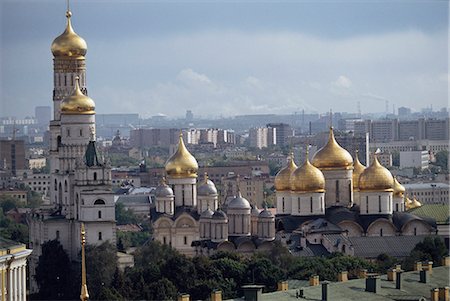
(144,138)
(43,115)
(429,193)
(263,137)
(12,156)
(18,194)
(283,132)
(39,183)
(251,187)
(189,116)
(418,159)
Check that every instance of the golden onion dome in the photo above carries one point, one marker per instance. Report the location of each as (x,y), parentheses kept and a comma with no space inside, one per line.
(77,103)
(358,169)
(415,203)
(307,178)
(182,164)
(283,177)
(399,189)
(408,203)
(69,44)
(376,178)
(332,156)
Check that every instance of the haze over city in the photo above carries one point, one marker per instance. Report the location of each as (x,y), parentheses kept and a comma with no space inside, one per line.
(229,58)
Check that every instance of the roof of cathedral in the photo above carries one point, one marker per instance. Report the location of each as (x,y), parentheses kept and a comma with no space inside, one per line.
(336,215)
(439,212)
(283,177)
(207,187)
(376,178)
(239,202)
(77,103)
(90,156)
(163,190)
(154,215)
(358,169)
(332,156)
(307,178)
(69,44)
(181,164)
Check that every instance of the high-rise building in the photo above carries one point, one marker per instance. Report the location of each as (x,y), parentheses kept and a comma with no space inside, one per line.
(283,131)
(12,156)
(80,180)
(43,115)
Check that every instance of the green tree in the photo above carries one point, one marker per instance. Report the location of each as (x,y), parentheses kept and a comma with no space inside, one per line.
(54,273)
(262,271)
(442,159)
(162,289)
(125,216)
(100,268)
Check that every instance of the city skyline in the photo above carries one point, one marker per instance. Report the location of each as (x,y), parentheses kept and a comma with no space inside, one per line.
(227,58)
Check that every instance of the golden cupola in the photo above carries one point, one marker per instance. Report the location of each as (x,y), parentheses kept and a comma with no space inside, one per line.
(283,177)
(307,178)
(415,203)
(332,156)
(358,169)
(399,189)
(376,178)
(77,103)
(69,44)
(182,164)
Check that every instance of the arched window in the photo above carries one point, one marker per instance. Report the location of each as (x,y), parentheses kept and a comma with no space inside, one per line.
(57,234)
(311,203)
(379,203)
(81,132)
(185,240)
(381,232)
(56,185)
(95,176)
(415,231)
(99,202)
(100,237)
(65,186)
(99,214)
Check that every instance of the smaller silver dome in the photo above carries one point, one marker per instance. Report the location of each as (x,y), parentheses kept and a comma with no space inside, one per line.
(266,213)
(219,214)
(255,211)
(208,213)
(239,203)
(163,191)
(207,189)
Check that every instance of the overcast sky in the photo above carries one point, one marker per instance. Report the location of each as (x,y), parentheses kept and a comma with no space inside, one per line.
(227,57)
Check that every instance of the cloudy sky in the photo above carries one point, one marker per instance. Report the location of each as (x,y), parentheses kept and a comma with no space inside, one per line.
(222,58)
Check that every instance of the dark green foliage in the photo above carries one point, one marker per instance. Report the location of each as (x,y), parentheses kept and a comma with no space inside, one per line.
(131,239)
(124,216)
(53,273)
(442,159)
(262,271)
(100,268)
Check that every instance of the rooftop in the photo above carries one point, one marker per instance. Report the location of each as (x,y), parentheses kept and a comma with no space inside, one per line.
(355,289)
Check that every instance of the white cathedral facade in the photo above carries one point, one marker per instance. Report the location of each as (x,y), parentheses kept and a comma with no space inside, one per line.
(80,190)
(188,216)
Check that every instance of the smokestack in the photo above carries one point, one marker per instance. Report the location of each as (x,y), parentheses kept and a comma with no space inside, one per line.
(398,280)
(373,284)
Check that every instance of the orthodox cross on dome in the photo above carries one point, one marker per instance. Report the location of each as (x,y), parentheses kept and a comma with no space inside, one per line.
(68,12)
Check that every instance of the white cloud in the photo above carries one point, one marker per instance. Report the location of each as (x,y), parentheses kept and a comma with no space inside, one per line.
(231,72)
(342,82)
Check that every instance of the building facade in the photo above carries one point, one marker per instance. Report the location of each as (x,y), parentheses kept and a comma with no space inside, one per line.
(323,204)
(80,179)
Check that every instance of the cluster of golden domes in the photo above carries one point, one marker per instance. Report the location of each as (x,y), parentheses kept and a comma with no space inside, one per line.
(305,178)
(411,204)
(181,164)
(309,177)
(69,44)
(77,103)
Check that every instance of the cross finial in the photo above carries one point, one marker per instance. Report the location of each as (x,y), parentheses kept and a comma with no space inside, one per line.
(68,12)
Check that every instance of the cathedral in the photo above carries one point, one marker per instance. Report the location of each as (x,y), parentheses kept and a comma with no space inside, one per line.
(80,178)
(187,214)
(333,202)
